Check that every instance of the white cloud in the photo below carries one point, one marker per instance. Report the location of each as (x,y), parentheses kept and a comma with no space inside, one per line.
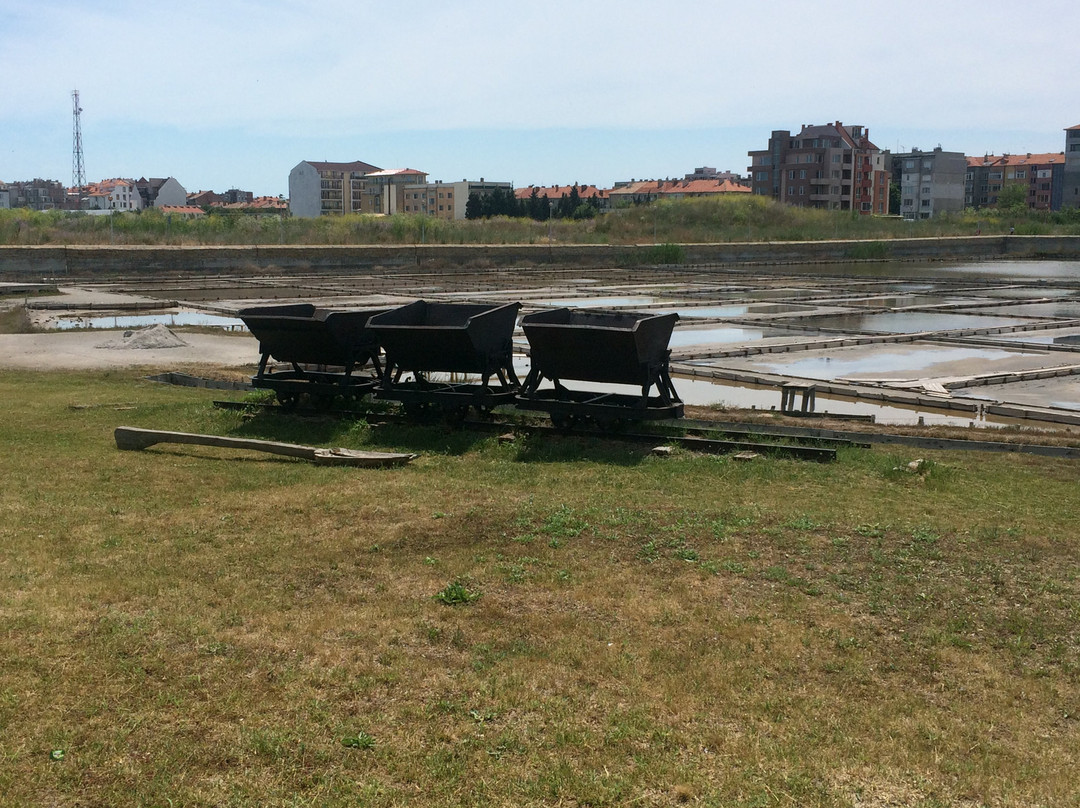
(422,65)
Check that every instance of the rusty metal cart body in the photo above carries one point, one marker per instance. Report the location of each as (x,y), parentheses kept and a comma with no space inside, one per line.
(604,347)
(325,348)
(449,341)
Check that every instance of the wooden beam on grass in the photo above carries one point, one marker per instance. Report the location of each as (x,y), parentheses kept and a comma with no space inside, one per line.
(133,438)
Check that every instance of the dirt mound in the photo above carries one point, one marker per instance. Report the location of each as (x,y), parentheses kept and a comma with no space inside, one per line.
(154,336)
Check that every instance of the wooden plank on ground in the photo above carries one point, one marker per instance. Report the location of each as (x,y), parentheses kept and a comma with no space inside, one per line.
(134,438)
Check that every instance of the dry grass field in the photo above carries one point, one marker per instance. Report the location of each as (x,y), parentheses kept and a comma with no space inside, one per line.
(543,622)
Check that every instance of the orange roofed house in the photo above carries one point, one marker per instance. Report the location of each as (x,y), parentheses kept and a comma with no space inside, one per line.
(550,196)
(645,191)
(832,166)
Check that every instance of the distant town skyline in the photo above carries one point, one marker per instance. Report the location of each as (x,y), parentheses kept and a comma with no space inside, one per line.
(235,93)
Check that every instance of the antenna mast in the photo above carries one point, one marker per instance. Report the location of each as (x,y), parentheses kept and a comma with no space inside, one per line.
(78,171)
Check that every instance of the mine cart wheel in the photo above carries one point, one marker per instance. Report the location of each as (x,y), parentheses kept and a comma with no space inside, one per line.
(562,420)
(416,411)
(611,424)
(288,401)
(456,415)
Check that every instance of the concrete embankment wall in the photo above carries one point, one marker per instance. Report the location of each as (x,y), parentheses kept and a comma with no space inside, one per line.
(24,262)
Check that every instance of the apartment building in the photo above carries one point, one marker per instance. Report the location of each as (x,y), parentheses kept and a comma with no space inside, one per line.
(37,194)
(710,173)
(1042,177)
(384,191)
(327,189)
(830,166)
(447,200)
(931,182)
(1070,191)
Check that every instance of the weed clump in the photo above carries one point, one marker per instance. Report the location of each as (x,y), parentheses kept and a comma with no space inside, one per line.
(456,593)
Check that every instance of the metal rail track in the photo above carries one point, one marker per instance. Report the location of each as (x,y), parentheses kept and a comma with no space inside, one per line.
(699,441)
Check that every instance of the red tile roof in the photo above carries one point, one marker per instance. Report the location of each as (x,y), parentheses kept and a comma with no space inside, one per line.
(1016,159)
(558,191)
(259,202)
(679,188)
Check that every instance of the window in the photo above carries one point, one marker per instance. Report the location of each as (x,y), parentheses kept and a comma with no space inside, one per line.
(1021,175)
(802,190)
(791,190)
(866,206)
(926,189)
(802,173)
(791,174)
(926,203)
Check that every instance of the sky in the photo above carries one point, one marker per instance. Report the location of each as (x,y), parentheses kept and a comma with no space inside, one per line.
(235,93)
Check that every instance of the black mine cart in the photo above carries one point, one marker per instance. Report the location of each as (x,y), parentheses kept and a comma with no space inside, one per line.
(324,348)
(459,355)
(604,347)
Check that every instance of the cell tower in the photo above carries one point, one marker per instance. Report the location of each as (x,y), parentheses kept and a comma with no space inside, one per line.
(78,171)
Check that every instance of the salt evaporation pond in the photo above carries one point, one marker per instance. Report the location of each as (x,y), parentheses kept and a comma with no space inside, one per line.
(1069,310)
(595,302)
(1020,293)
(912,322)
(738,310)
(918,360)
(682,337)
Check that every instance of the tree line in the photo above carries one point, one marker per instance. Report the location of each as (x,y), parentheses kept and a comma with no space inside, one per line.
(502,202)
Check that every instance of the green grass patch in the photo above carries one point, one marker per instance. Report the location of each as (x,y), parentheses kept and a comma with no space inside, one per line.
(198,626)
